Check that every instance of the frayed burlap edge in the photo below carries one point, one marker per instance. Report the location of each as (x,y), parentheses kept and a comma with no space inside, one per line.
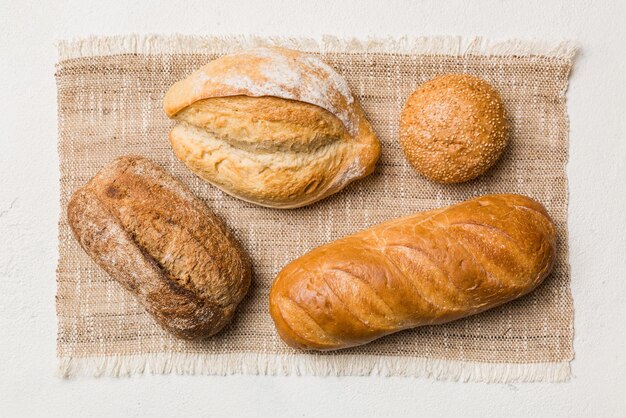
(310,364)
(186,44)
(307,364)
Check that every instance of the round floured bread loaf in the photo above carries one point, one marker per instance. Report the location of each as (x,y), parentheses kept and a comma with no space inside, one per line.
(271,126)
(453,128)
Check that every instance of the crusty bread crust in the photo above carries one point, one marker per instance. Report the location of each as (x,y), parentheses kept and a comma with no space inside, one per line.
(428,268)
(271,126)
(266,71)
(162,244)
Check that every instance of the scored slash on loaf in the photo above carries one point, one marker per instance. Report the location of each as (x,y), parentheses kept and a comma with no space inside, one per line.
(429,268)
(271,126)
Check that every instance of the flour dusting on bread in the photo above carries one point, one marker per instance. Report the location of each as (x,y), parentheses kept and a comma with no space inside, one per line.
(271,126)
(269,71)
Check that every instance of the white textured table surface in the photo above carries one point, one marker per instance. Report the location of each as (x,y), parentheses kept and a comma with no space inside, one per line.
(29,210)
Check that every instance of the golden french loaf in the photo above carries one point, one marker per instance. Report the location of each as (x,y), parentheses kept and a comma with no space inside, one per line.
(162,244)
(271,126)
(428,268)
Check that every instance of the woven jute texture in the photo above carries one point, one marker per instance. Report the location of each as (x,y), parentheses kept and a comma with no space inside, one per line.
(110,94)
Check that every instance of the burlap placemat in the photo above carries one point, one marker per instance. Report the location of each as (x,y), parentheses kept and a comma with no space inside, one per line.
(110,94)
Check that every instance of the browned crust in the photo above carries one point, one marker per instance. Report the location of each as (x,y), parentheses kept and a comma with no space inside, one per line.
(453,128)
(428,268)
(162,244)
(270,140)
(267,71)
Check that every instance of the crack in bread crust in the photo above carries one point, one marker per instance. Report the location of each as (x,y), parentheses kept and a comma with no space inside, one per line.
(265,123)
(287,151)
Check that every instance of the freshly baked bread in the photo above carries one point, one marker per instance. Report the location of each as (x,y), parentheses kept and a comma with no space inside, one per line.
(453,128)
(271,126)
(162,244)
(428,268)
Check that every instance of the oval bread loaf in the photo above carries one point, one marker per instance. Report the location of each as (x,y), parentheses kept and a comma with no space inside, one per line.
(271,126)
(428,268)
(162,244)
